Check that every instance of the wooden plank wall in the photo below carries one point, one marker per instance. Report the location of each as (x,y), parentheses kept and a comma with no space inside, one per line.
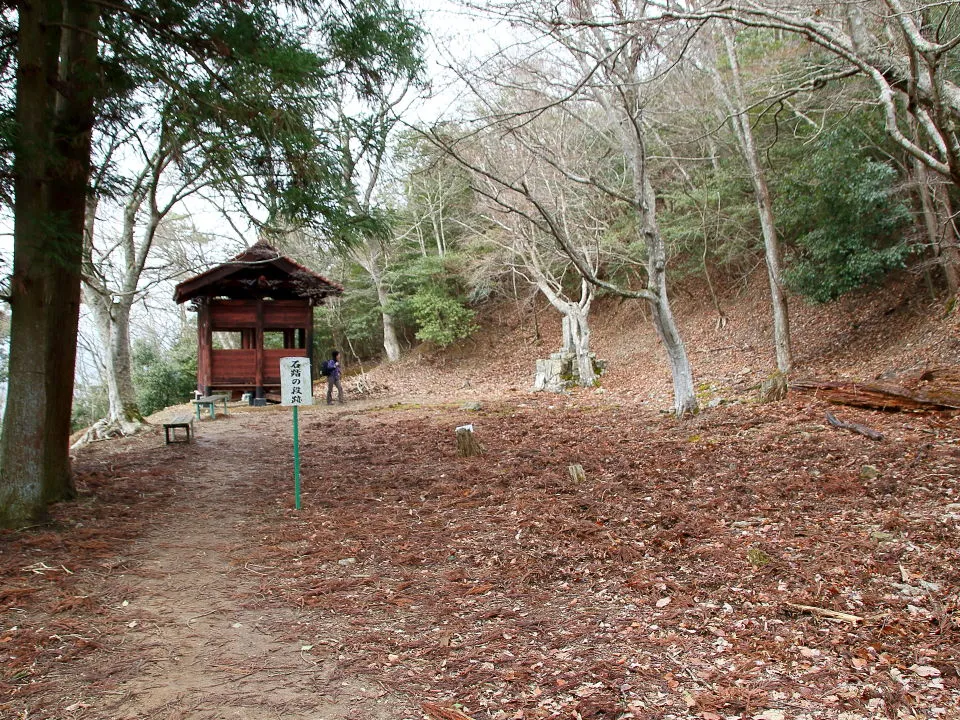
(236,367)
(253,366)
(277,314)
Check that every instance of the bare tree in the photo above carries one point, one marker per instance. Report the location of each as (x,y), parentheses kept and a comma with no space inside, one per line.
(116,264)
(613,69)
(533,254)
(906,51)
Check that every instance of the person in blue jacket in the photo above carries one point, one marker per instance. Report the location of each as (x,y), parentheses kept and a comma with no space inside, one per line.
(333,377)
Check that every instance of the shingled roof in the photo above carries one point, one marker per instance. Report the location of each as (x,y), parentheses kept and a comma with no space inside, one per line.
(259,271)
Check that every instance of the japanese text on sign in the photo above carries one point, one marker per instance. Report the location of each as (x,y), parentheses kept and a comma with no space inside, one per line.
(295,386)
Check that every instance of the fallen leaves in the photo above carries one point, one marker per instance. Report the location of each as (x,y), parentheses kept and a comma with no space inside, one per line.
(733,576)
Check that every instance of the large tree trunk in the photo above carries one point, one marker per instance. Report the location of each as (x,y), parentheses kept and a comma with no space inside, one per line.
(57,49)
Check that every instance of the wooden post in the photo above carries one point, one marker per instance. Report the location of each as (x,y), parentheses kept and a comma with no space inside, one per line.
(467,445)
(204,346)
(308,344)
(258,380)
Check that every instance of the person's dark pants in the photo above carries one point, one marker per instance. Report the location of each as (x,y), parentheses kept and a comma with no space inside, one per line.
(332,382)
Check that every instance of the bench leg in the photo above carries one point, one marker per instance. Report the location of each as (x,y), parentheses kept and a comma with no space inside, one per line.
(197,407)
(213,411)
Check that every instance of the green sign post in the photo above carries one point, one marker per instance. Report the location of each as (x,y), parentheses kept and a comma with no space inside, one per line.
(296,389)
(296,456)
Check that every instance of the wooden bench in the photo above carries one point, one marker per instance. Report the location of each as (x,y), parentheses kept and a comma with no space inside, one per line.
(170,428)
(210,401)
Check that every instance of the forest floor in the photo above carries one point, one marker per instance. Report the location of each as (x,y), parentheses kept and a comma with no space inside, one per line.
(751,562)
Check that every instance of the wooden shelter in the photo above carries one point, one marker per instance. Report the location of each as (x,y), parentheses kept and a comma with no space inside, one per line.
(251,311)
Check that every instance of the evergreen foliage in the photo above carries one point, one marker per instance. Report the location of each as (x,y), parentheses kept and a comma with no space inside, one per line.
(164,377)
(841,217)
(430,295)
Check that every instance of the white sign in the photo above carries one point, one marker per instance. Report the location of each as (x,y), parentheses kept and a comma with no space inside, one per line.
(295,385)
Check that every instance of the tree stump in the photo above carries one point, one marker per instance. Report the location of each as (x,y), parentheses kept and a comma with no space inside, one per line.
(577,474)
(467,445)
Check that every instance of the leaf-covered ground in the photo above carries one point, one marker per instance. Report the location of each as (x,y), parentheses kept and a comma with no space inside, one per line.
(749,563)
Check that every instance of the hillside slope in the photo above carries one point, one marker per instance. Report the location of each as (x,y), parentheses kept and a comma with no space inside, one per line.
(891,330)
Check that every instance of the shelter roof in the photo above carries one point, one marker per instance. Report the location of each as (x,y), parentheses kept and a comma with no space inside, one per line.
(260,271)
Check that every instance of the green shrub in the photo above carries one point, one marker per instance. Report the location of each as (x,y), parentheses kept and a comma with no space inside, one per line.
(440,318)
(164,377)
(429,293)
(842,222)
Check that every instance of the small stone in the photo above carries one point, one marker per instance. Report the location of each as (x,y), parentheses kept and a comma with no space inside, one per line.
(881,536)
(663,602)
(869,472)
(472,406)
(347,561)
(771,715)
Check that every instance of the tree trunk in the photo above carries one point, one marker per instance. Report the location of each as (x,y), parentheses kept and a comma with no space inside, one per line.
(391,346)
(684,393)
(57,49)
(940,234)
(644,199)
(113,329)
(949,252)
(771,244)
(576,320)
(576,339)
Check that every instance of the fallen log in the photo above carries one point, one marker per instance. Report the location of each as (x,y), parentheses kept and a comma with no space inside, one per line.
(854,427)
(940,385)
(929,392)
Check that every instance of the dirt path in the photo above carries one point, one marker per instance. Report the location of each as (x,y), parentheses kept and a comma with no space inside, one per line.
(197,646)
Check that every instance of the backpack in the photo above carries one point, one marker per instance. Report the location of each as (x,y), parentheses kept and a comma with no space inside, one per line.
(327,368)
